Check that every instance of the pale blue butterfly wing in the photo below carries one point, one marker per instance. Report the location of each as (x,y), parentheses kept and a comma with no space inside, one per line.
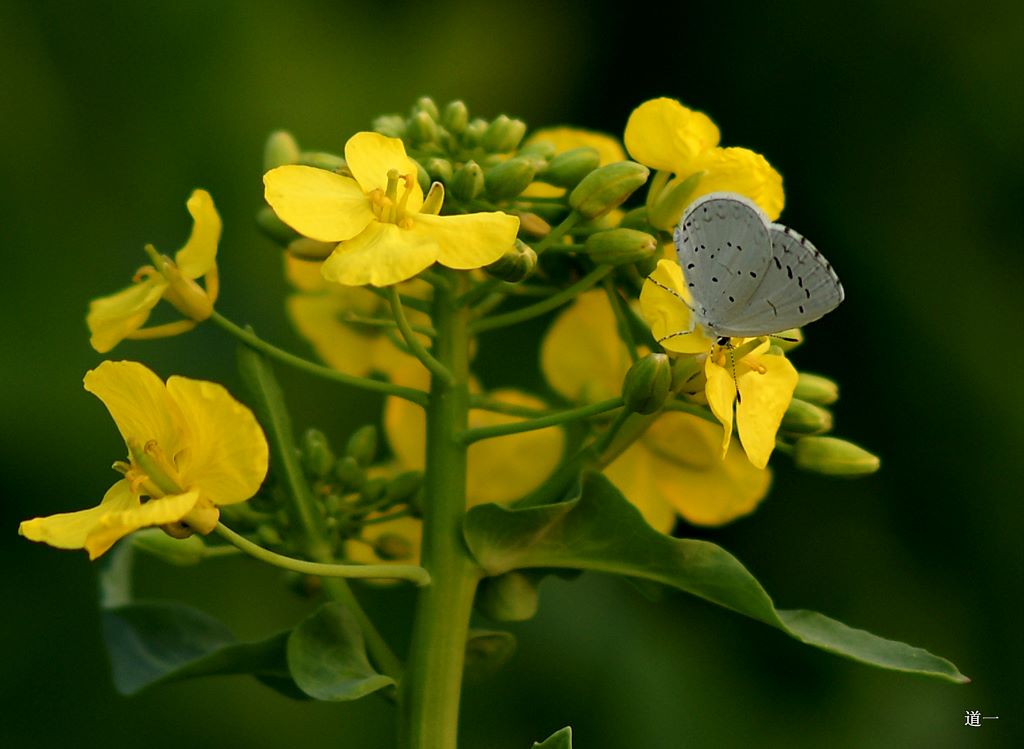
(747,276)
(724,248)
(799,287)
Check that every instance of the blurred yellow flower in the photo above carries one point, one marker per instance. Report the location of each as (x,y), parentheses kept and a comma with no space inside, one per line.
(500,469)
(396,541)
(566,139)
(675,467)
(385,231)
(113,318)
(665,135)
(757,385)
(191,448)
(329,316)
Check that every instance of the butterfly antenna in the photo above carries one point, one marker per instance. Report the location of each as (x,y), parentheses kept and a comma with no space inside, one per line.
(671,291)
(673,335)
(732,366)
(787,339)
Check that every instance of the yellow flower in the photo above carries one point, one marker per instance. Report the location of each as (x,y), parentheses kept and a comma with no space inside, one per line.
(327,314)
(499,469)
(675,467)
(665,135)
(191,448)
(757,385)
(396,541)
(113,318)
(385,230)
(566,139)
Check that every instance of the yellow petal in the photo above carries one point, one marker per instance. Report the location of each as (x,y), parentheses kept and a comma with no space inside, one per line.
(582,356)
(316,203)
(69,530)
(370,156)
(113,318)
(398,535)
(304,275)
(720,390)
(383,254)
(138,402)
(116,525)
(764,399)
(632,473)
(225,456)
(668,313)
(505,468)
(200,251)
(744,171)
(663,134)
(469,241)
(691,476)
(568,138)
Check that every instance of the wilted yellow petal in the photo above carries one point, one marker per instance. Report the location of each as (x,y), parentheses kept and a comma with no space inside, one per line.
(316,203)
(633,473)
(744,171)
(668,313)
(764,398)
(382,255)
(665,135)
(692,476)
(468,241)
(138,402)
(720,391)
(200,251)
(370,156)
(226,452)
(113,318)
(582,356)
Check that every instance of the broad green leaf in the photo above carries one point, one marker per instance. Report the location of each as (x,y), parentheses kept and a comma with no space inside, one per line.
(151,643)
(486,652)
(560,740)
(602,531)
(327,657)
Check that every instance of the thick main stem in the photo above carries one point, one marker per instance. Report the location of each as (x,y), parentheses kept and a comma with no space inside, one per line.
(432,684)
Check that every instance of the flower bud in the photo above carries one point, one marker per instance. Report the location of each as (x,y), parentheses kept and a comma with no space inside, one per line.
(816,389)
(514,265)
(503,134)
(806,418)
(391,547)
(474,132)
(280,149)
(317,456)
(439,169)
(833,457)
(373,489)
(468,181)
(455,117)
(273,227)
(362,444)
(182,552)
(269,536)
(511,597)
(391,125)
(349,473)
(426,104)
(568,168)
(668,207)
(636,218)
(509,178)
(532,224)
(607,188)
(323,160)
(542,150)
(403,486)
(620,246)
(422,128)
(648,384)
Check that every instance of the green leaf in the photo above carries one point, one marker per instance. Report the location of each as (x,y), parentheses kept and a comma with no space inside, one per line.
(327,658)
(486,652)
(152,643)
(560,740)
(602,531)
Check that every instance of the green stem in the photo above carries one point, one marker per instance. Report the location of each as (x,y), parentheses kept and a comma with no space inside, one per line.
(500,430)
(437,369)
(484,403)
(376,322)
(251,339)
(552,302)
(558,232)
(430,690)
(621,318)
(409,572)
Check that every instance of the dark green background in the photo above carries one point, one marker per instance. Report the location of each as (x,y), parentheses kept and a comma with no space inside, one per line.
(899,134)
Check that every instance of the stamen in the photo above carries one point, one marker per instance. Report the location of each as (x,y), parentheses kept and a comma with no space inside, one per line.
(146,271)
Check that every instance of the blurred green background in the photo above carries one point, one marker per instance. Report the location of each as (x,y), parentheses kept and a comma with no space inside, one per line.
(900,135)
